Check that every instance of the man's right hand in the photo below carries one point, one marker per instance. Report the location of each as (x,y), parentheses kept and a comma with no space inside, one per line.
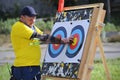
(68,40)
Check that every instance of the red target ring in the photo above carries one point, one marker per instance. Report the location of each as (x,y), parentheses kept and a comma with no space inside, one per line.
(57,46)
(55,49)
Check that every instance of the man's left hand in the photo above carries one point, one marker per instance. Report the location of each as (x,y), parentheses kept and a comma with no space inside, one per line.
(68,40)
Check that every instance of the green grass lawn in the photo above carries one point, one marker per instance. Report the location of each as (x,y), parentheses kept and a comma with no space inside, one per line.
(97,74)
(4,72)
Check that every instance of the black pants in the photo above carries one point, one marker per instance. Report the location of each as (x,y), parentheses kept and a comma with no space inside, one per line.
(26,73)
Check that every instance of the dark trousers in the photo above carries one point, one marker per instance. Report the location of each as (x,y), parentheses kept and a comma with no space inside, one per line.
(26,73)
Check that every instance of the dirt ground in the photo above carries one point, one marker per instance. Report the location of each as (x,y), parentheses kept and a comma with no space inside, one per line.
(5,41)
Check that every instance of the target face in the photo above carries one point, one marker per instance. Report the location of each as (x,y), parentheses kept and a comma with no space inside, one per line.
(68,53)
(74,48)
(55,49)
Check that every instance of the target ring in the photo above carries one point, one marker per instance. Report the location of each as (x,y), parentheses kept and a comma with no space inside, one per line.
(74,48)
(55,49)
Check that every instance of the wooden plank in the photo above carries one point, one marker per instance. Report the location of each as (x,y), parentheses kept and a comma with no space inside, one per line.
(95,43)
(83,65)
(87,65)
(99,43)
(100,22)
(91,56)
(104,60)
(100,5)
(95,21)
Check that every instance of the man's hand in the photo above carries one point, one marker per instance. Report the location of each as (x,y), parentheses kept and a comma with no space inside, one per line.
(59,40)
(68,40)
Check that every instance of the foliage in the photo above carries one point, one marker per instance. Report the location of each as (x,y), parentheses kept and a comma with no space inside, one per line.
(44,26)
(40,24)
(116,20)
(110,27)
(5,26)
(49,25)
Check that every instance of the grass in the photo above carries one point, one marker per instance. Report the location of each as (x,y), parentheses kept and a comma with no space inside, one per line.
(4,72)
(97,74)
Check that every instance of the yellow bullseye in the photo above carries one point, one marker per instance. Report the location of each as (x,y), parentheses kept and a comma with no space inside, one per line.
(56,44)
(74,41)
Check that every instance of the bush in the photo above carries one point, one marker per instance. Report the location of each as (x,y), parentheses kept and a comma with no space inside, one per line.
(44,26)
(5,26)
(40,24)
(49,25)
(110,27)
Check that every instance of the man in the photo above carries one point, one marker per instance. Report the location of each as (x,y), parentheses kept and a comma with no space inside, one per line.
(27,57)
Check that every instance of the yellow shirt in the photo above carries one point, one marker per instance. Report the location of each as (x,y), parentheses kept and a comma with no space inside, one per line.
(25,54)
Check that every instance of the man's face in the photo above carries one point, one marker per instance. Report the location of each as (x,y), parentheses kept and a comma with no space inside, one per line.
(29,20)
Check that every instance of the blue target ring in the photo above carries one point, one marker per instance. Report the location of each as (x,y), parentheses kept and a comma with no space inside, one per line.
(73,49)
(53,51)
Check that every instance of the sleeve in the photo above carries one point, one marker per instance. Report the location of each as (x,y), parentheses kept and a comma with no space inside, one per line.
(22,30)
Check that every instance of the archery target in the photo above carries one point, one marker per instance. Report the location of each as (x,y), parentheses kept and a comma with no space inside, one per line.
(55,49)
(68,53)
(78,34)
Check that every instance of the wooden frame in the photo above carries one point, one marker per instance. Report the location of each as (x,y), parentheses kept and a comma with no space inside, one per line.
(92,41)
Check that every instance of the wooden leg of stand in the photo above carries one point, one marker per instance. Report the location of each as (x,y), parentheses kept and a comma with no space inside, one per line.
(103,58)
(91,59)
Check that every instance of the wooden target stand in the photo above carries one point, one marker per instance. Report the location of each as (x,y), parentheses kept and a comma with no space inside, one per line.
(92,42)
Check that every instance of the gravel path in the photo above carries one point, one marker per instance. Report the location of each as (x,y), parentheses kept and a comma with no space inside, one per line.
(112,50)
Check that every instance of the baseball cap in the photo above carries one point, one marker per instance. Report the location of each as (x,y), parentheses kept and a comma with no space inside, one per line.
(29,11)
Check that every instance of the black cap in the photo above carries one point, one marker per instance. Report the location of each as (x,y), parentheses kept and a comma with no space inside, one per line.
(29,11)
